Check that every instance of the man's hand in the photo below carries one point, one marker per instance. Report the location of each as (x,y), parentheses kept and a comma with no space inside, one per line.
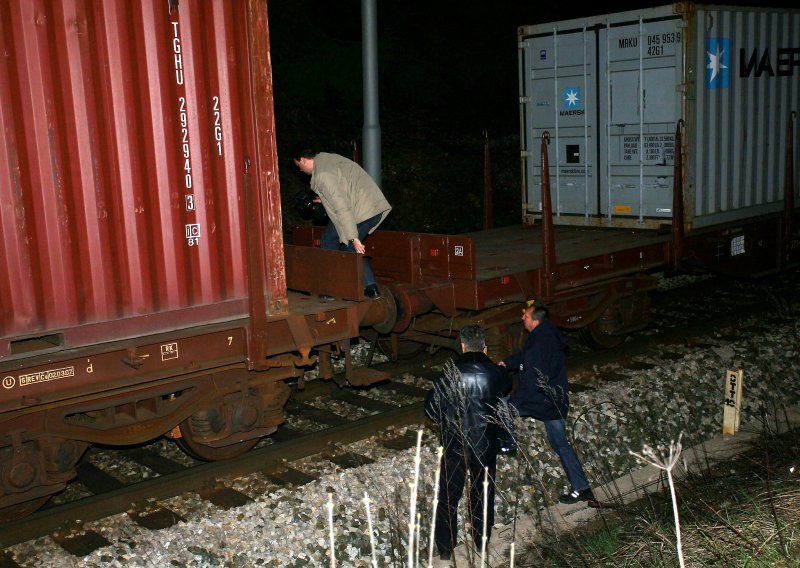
(359,246)
(502,364)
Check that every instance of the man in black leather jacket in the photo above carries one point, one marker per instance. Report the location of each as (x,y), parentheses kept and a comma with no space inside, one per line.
(462,399)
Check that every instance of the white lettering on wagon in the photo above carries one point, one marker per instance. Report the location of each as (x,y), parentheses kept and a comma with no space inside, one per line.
(44,376)
(9,382)
(169,351)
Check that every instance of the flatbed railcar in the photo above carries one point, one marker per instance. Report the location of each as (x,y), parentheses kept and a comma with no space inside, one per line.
(144,280)
(442,282)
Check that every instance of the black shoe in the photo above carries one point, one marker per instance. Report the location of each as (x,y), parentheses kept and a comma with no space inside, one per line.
(576,496)
(372,292)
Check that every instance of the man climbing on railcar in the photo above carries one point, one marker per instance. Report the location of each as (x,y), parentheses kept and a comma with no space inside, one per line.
(463,404)
(543,392)
(351,198)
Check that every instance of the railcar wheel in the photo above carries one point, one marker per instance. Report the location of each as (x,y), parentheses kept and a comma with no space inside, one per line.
(205,452)
(595,337)
(617,321)
(23,509)
(406,349)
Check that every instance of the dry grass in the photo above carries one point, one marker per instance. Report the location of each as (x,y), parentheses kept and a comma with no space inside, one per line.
(745,512)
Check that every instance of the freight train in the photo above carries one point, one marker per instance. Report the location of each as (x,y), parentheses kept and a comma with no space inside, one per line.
(146,288)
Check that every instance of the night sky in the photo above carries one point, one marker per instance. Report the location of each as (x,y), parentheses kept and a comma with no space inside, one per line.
(447,71)
(436,54)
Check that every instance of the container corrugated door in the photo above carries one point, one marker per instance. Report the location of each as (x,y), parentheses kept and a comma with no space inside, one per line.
(560,96)
(641,78)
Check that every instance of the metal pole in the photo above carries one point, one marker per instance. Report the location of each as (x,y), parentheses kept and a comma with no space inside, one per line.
(548,237)
(372,128)
(488,216)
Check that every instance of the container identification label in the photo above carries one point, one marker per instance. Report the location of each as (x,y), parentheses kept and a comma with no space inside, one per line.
(658,148)
(190,203)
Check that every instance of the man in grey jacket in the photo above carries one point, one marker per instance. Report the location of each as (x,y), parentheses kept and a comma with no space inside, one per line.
(351,198)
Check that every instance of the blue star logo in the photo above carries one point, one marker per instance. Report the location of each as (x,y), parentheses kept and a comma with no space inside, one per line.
(572,97)
(718,73)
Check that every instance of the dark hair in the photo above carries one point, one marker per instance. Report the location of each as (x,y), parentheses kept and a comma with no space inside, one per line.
(538,309)
(303,150)
(539,313)
(473,337)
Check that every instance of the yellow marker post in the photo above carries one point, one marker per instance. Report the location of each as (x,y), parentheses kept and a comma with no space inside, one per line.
(733,401)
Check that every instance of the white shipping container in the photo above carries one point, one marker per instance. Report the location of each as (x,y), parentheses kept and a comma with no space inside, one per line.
(611,90)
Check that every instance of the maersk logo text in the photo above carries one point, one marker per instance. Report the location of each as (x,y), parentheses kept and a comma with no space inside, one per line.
(758,64)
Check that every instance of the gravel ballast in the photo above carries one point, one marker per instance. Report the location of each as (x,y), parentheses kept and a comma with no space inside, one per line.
(680,393)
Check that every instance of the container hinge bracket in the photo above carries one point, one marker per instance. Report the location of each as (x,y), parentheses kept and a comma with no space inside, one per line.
(524,154)
(524,100)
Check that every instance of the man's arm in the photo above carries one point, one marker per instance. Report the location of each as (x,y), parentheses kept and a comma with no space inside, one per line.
(512,361)
(359,246)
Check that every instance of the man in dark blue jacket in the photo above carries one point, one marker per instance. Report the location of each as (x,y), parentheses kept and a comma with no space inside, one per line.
(463,403)
(543,392)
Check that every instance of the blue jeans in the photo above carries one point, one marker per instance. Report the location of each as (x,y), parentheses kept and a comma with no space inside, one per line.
(330,240)
(557,436)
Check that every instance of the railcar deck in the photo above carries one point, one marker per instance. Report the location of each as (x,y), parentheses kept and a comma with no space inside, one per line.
(518,248)
(475,271)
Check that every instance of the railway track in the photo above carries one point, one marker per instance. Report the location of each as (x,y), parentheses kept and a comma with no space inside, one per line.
(680,317)
(112,480)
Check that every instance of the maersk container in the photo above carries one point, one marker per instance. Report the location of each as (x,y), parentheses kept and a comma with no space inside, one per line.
(131,132)
(612,89)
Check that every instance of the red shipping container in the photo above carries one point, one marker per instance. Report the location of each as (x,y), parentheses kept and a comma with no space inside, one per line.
(131,134)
